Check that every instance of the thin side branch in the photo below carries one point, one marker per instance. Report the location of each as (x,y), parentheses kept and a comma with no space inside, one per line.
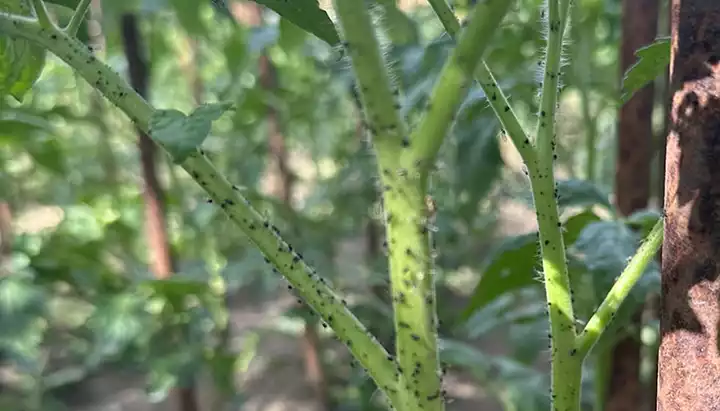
(77,18)
(455,79)
(620,290)
(495,95)
(42,14)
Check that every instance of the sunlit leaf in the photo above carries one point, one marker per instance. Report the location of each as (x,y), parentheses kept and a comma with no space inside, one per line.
(652,62)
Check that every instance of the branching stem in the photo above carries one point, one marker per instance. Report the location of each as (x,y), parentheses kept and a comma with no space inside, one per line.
(312,288)
(77,17)
(495,95)
(42,14)
(404,162)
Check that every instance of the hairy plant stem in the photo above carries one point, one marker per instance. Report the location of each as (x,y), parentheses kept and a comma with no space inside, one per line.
(620,290)
(566,365)
(568,351)
(496,97)
(455,79)
(405,163)
(42,14)
(312,288)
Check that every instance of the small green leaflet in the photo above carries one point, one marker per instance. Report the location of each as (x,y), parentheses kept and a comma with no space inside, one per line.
(307,15)
(21,62)
(181,134)
(652,61)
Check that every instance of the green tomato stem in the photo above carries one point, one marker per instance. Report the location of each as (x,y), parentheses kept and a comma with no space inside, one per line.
(455,79)
(42,14)
(77,17)
(377,93)
(620,290)
(410,270)
(486,80)
(566,365)
(312,288)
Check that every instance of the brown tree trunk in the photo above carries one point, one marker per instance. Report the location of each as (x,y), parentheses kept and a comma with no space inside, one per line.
(251,14)
(161,260)
(632,188)
(6,236)
(689,362)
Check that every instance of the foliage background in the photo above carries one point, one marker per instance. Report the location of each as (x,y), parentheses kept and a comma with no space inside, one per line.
(85,325)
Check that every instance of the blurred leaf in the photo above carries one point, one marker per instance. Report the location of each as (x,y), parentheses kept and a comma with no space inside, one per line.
(21,62)
(176,290)
(643,220)
(478,158)
(307,15)
(22,309)
(513,265)
(118,322)
(504,310)
(515,385)
(262,37)
(509,267)
(581,193)
(188,13)
(652,62)
(181,134)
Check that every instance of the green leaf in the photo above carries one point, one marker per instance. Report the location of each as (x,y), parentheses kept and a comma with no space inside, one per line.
(307,15)
(188,13)
(513,265)
(181,134)
(478,159)
(518,386)
(21,62)
(652,61)
(581,193)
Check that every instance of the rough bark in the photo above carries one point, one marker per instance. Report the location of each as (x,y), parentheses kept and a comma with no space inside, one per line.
(689,362)
(632,188)
(161,260)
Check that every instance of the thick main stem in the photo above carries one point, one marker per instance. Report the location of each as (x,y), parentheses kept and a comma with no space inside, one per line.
(566,364)
(405,163)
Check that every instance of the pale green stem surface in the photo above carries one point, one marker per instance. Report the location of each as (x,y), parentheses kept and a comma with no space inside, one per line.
(312,288)
(404,166)
(377,93)
(565,363)
(620,290)
(403,196)
(77,17)
(42,14)
(496,97)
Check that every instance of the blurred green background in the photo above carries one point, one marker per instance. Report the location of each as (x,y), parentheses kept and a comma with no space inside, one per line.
(86,325)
